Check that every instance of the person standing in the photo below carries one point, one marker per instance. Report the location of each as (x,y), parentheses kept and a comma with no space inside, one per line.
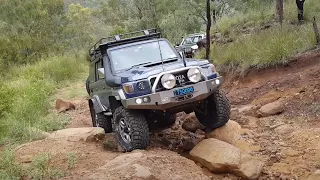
(300,9)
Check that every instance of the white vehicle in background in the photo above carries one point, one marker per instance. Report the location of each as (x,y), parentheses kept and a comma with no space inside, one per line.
(189,45)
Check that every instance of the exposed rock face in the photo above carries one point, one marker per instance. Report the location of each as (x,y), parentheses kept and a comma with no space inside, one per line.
(271,109)
(63,106)
(221,157)
(155,164)
(79,134)
(191,123)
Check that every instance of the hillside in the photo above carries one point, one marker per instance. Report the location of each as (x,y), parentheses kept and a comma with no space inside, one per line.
(43,57)
(286,143)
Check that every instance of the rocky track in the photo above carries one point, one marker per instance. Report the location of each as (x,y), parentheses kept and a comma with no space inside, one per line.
(275,124)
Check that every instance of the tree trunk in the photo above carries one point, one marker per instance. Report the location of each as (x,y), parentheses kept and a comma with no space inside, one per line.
(208,30)
(279,10)
(316,31)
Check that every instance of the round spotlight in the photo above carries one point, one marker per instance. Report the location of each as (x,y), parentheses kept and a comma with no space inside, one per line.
(138,101)
(168,81)
(194,75)
(146,99)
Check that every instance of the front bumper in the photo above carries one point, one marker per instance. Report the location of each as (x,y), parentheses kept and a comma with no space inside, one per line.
(165,99)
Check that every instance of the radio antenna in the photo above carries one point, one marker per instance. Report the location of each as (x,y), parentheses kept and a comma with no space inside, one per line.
(160,53)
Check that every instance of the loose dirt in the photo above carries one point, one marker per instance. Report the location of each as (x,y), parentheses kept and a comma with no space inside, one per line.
(288,144)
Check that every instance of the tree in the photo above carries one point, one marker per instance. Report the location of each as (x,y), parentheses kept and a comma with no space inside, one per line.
(31,28)
(79,26)
(208,30)
(279,10)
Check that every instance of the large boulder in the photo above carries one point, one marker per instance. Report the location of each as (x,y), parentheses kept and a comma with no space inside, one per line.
(191,123)
(230,133)
(63,106)
(217,156)
(221,157)
(79,134)
(155,164)
(271,109)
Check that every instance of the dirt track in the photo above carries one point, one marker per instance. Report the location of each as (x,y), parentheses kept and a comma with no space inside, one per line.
(288,154)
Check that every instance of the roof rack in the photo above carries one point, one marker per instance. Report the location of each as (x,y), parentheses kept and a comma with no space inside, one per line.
(125,39)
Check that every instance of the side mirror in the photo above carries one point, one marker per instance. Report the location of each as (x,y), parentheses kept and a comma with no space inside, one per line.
(101,70)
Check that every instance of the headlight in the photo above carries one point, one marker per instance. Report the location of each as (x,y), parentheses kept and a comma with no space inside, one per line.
(128,88)
(168,81)
(194,75)
(136,87)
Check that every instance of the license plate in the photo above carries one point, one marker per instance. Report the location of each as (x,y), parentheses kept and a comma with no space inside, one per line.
(183,91)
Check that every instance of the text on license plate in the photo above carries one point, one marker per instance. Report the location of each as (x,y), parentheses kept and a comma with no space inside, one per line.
(183,91)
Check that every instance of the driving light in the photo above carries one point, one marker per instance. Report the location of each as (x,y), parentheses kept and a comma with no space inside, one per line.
(217,81)
(138,101)
(194,75)
(168,81)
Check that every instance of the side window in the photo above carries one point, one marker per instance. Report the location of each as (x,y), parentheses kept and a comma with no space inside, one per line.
(99,70)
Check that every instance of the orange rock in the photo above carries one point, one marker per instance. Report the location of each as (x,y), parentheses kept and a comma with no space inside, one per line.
(63,106)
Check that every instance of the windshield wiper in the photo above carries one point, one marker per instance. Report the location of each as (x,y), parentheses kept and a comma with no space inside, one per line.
(138,65)
(170,59)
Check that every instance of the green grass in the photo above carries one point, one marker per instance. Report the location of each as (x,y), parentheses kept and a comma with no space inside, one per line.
(41,169)
(72,160)
(26,93)
(265,48)
(9,169)
(264,12)
(251,18)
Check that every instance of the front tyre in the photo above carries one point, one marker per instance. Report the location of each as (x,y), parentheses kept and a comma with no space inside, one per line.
(215,111)
(101,120)
(131,129)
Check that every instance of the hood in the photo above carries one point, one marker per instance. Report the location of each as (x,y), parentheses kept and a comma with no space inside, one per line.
(139,73)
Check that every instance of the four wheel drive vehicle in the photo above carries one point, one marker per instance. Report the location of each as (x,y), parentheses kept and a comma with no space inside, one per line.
(189,44)
(139,83)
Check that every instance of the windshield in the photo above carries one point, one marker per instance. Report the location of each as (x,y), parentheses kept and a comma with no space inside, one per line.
(191,40)
(125,58)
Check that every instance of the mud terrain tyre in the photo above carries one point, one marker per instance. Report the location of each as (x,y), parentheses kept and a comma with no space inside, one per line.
(101,120)
(131,129)
(215,112)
